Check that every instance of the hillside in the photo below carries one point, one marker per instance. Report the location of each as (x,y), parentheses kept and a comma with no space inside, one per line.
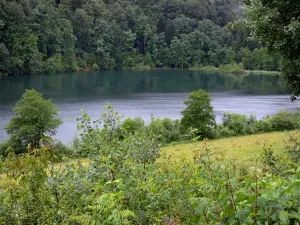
(244,150)
(67,35)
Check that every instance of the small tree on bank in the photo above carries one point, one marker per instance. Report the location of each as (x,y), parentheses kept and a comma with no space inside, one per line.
(198,113)
(34,119)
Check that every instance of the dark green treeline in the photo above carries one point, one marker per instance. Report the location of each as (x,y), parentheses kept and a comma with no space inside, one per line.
(68,35)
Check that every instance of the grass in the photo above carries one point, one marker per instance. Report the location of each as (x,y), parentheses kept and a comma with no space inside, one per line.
(244,150)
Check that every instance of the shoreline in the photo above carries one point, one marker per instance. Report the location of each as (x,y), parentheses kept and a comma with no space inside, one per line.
(207,69)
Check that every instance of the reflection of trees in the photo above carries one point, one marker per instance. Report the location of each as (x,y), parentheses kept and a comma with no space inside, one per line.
(113,84)
(262,84)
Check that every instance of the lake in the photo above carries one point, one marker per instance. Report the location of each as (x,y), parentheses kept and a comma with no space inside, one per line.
(142,93)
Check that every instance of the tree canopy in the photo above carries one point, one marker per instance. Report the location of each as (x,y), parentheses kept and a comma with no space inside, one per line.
(276,25)
(198,113)
(67,35)
(34,119)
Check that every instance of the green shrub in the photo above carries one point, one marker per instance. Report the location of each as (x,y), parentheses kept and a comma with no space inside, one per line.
(264,125)
(173,129)
(130,126)
(4,147)
(235,122)
(60,150)
(225,132)
(166,129)
(156,127)
(285,121)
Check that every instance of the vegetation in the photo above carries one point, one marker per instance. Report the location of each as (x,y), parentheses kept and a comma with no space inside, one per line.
(198,114)
(125,184)
(128,179)
(276,25)
(35,119)
(242,151)
(27,131)
(67,35)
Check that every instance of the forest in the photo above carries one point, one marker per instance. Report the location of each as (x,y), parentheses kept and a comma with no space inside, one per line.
(41,36)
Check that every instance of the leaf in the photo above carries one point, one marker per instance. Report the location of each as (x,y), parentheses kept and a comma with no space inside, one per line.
(284,217)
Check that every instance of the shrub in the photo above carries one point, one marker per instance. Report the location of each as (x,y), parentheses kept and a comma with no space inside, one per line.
(235,122)
(60,150)
(166,129)
(225,132)
(4,147)
(284,121)
(157,128)
(264,125)
(173,129)
(131,126)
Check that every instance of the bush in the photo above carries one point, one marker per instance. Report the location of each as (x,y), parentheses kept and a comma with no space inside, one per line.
(3,148)
(285,121)
(235,122)
(166,129)
(131,126)
(225,132)
(60,150)
(173,129)
(264,125)
(157,128)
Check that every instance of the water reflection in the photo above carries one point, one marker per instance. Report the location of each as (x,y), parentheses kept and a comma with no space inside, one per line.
(77,86)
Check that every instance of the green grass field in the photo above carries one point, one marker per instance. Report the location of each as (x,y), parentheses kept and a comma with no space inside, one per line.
(244,150)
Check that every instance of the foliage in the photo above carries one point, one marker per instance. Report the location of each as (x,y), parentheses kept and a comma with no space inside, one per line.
(64,35)
(293,147)
(285,121)
(276,25)
(131,126)
(206,190)
(165,129)
(198,113)
(35,119)
(125,183)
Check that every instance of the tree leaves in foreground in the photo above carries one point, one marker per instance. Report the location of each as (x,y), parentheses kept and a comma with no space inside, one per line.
(276,25)
(126,179)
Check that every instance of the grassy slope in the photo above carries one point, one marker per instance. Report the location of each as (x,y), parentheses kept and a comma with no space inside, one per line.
(241,150)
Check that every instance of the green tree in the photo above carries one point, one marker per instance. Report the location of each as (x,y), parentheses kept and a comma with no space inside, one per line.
(34,119)
(198,113)
(276,25)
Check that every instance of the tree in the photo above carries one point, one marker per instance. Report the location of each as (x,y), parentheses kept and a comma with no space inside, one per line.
(34,119)
(276,25)
(198,113)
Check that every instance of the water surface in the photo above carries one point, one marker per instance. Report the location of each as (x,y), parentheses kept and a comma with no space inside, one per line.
(142,93)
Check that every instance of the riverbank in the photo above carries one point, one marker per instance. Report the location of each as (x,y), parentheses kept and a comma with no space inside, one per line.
(225,69)
(233,70)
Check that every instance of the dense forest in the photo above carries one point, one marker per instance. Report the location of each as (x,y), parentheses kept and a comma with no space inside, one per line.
(67,35)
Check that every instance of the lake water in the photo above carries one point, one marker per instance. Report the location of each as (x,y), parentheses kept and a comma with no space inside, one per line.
(142,93)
